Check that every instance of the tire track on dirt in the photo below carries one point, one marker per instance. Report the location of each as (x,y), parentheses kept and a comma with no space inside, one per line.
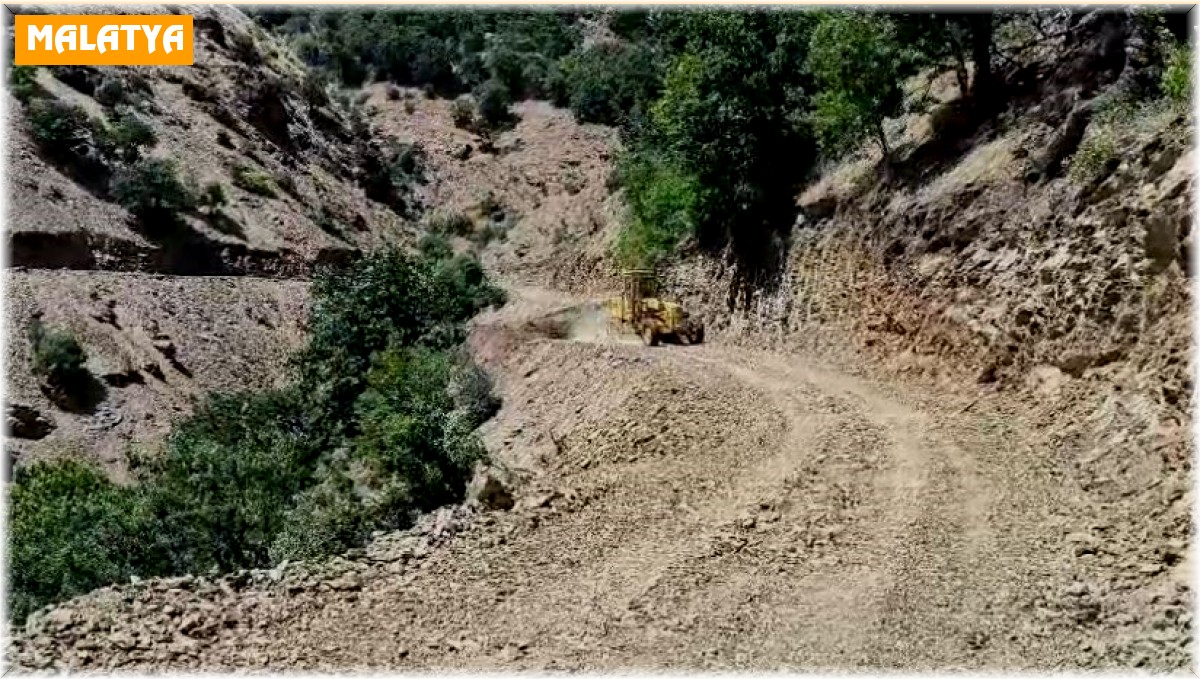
(734,509)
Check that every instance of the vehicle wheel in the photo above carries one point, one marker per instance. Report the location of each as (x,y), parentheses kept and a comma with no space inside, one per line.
(698,336)
(649,337)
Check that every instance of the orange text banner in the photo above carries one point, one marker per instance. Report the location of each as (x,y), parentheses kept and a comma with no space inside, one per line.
(103,40)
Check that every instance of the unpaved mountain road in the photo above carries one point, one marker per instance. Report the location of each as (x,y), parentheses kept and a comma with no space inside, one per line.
(685,507)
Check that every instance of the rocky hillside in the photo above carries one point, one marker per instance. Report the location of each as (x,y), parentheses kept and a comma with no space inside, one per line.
(218,302)
(984,339)
(1063,294)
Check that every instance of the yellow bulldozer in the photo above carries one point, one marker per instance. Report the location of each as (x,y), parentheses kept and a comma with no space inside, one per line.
(640,309)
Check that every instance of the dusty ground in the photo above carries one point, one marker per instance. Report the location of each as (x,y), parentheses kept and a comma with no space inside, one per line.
(695,507)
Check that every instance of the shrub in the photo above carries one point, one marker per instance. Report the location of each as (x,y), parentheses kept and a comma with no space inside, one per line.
(325,519)
(70,531)
(390,172)
(22,81)
(449,223)
(462,112)
(254,181)
(471,389)
(435,245)
(1177,74)
(231,470)
(57,356)
(127,138)
(494,102)
(408,440)
(1094,155)
(245,48)
(315,89)
(63,130)
(213,196)
(663,201)
(151,190)
(111,92)
(387,299)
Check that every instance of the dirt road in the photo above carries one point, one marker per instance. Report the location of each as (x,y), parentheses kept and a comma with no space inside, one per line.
(682,507)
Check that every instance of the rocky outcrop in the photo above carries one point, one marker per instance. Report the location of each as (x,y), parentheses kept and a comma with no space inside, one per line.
(25,422)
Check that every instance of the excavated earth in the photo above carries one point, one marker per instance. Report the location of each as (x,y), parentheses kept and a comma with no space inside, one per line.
(687,507)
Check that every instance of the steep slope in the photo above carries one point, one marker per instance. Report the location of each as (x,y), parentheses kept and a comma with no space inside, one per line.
(952,434)
(159,330)
(538,195)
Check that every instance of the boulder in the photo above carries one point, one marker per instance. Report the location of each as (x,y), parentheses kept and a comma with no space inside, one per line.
(489,490)
(25,422)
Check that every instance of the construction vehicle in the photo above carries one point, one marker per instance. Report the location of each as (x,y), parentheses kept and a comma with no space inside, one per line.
(640,309)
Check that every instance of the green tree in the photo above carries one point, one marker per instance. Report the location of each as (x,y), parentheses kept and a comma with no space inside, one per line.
(71,530)
(495,103)
(151,190)
(857,64)
(728,119)
(610,83)
(664,202)
(58,356)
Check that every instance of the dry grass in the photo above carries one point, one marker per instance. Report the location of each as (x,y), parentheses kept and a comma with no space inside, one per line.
(986,164)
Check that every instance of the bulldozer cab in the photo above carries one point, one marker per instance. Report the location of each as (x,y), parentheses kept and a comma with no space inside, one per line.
(639,284)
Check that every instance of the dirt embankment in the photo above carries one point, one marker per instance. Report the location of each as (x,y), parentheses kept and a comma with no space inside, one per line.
(705,507)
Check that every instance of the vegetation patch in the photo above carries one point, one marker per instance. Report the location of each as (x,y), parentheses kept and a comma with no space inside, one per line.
(377,426)
(254,181)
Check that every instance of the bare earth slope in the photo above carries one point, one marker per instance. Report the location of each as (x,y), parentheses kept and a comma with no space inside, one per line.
(698,507)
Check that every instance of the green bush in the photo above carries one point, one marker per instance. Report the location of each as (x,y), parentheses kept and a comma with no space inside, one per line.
(127,139)
(254,181)
(494,105)
(462,112)
(1177,74)
(111,92)
(1094,155)
(151,190)
(213,196)
(63,130)
(229,474)
(663,201)
(411,439)
(70,531)
(57,356)
(471,389)
(449,223)
(391,172)
(325,519)
(435,245)
(22,82)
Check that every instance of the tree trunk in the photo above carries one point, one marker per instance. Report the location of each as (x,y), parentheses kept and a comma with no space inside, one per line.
(1136,74)
(982,88)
